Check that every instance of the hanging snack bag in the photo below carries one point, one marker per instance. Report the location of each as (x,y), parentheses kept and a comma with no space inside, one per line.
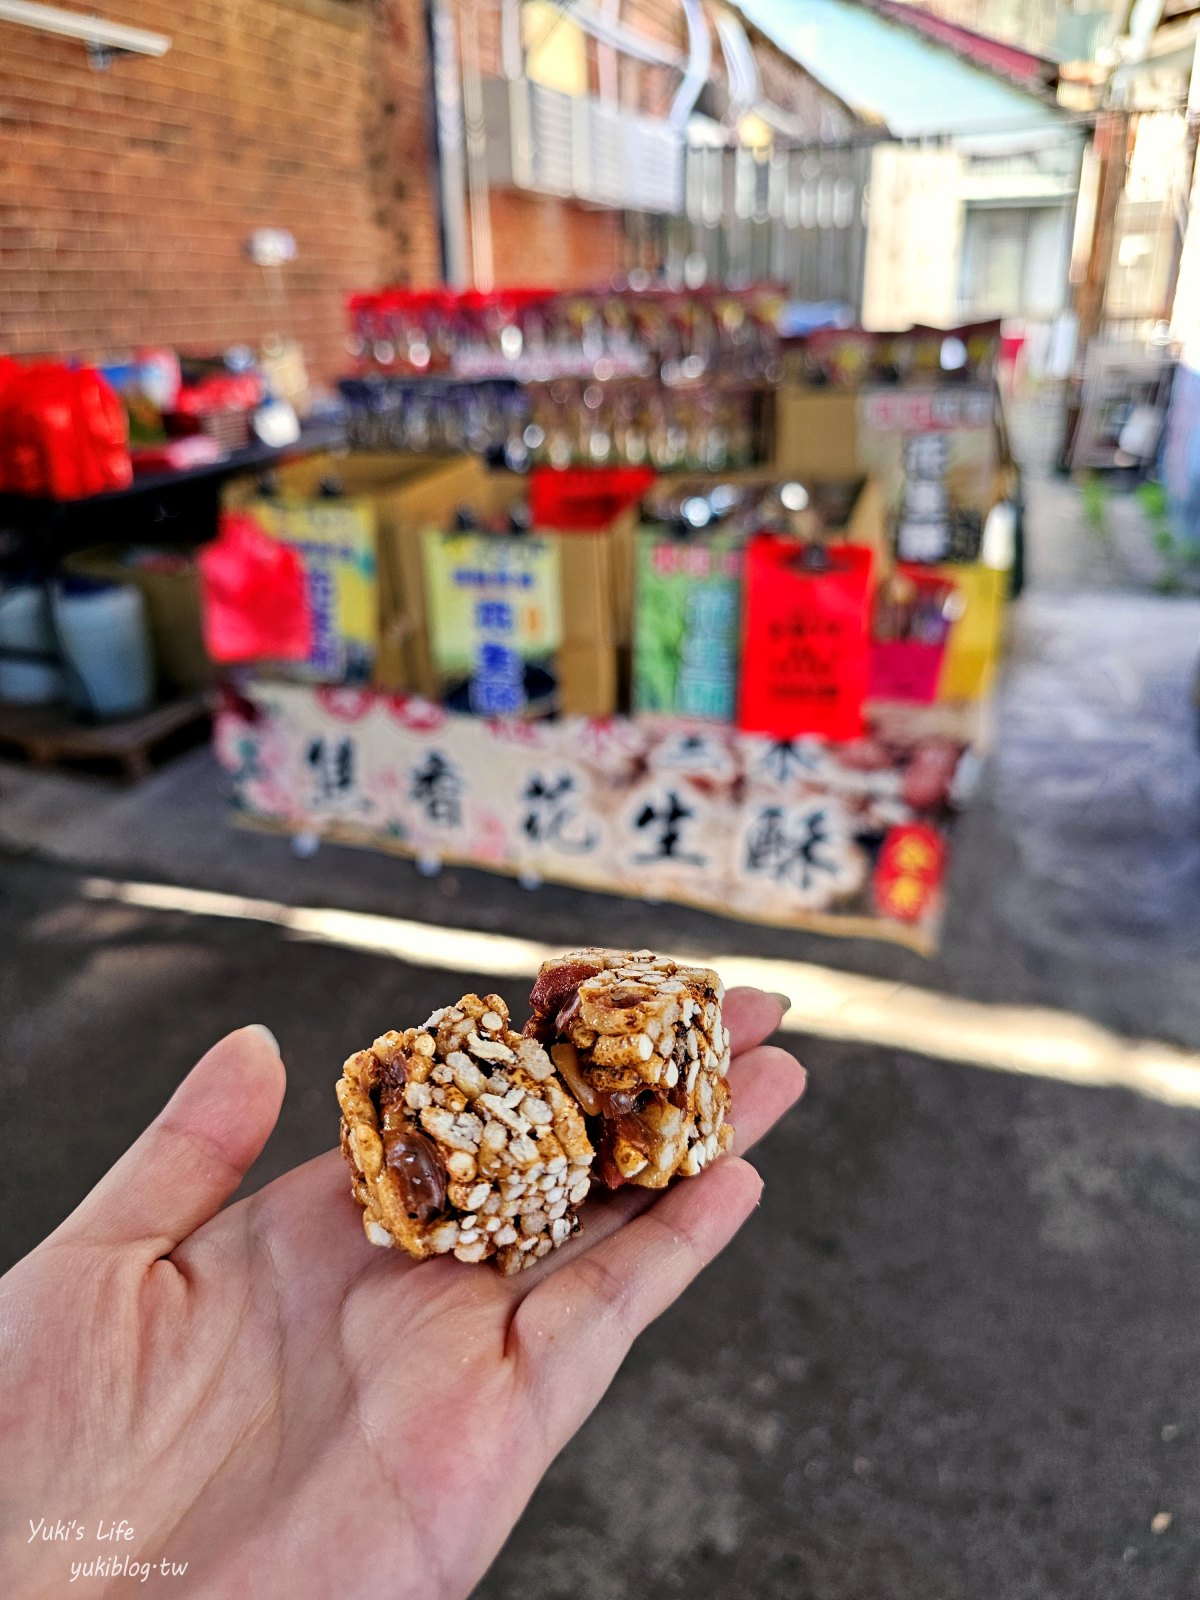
(687,598)
(255,599)
(805,636)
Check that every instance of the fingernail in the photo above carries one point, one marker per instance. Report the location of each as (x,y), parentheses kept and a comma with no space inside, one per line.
(784,1000)
(265,1035)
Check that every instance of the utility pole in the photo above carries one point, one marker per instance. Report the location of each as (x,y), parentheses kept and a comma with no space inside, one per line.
(1187,186)
(1112,151)
(451,142)
(1111,144)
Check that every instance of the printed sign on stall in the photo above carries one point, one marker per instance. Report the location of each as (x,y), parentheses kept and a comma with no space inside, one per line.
(935,452)
(805,639)
(335,540)
(495,619)
(909,872)
(843,836)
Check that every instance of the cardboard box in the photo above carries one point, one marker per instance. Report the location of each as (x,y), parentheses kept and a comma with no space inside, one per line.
(863,525)
(336,540)
(494,602)
(936,451)
(587,676)
(866,524)
(816,433)
(405,493)
(960,669)
(973,646)
(592,565)
(412,495)
(171,595)
(428,503)
(821,431)
(825,433)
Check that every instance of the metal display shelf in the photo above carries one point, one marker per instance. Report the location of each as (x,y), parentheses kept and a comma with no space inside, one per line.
(163,508)
(158,508)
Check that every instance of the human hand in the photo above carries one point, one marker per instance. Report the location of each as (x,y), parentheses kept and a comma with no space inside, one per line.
(261,1393)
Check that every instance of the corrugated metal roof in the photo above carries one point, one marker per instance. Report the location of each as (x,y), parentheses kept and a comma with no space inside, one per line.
(1020,67)
(891,75)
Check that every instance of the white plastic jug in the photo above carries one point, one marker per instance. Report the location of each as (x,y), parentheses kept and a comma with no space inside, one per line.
(106,647)
(25,625)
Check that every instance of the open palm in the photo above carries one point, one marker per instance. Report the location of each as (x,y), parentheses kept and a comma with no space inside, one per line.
(263,1395)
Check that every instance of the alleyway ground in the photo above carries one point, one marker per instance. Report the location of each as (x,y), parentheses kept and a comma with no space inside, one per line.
(954,1355)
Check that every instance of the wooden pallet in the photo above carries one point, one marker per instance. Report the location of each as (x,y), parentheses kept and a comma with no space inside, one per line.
(51,734)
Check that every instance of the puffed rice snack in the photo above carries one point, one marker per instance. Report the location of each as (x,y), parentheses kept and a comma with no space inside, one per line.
(462,1139)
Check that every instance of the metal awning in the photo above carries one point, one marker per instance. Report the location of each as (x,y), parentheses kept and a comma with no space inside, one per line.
(894,77)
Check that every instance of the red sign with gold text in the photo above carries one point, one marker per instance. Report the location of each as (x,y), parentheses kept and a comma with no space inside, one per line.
(909,871)
(804,639)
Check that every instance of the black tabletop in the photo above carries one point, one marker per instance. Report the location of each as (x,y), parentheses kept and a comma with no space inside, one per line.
(159,508)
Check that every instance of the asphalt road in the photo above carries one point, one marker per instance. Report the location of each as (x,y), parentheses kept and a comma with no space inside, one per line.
(954,1354)
(952,1357)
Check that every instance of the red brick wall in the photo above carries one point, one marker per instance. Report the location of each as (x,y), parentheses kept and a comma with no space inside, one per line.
(538,239)
(126,196)
(399,145)
(653,88)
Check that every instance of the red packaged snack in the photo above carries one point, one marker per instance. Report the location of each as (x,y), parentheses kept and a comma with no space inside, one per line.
(101,433)
(255,596)
(585,499)
(804,638)
(912,619)
(63,433)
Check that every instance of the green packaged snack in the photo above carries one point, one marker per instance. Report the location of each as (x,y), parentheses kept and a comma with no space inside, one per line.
(687,601)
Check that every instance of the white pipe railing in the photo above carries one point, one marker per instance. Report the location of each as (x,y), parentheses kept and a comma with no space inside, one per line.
(94,31)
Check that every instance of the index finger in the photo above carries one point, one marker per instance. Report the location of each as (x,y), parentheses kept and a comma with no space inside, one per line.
(752,1015)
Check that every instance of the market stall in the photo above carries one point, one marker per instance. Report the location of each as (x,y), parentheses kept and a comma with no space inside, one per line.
(752,684)
(615,589)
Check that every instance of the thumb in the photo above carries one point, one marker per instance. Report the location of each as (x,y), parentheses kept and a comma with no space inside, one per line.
(194,1154)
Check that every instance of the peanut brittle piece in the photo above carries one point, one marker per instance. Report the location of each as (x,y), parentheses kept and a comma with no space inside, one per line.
(639,1041)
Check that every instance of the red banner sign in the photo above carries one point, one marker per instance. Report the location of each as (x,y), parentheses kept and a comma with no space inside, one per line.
(909,871)
(804,638)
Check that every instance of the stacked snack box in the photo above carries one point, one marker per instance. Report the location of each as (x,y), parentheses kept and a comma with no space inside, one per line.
(698,550)
(425,576)
(921,414)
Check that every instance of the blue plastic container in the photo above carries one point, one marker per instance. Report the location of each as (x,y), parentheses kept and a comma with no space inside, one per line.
(106,647)
(25,625)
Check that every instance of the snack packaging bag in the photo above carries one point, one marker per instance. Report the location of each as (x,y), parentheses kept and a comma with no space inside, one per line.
(686,624)
(63,433)
(805,638)
(255,602)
